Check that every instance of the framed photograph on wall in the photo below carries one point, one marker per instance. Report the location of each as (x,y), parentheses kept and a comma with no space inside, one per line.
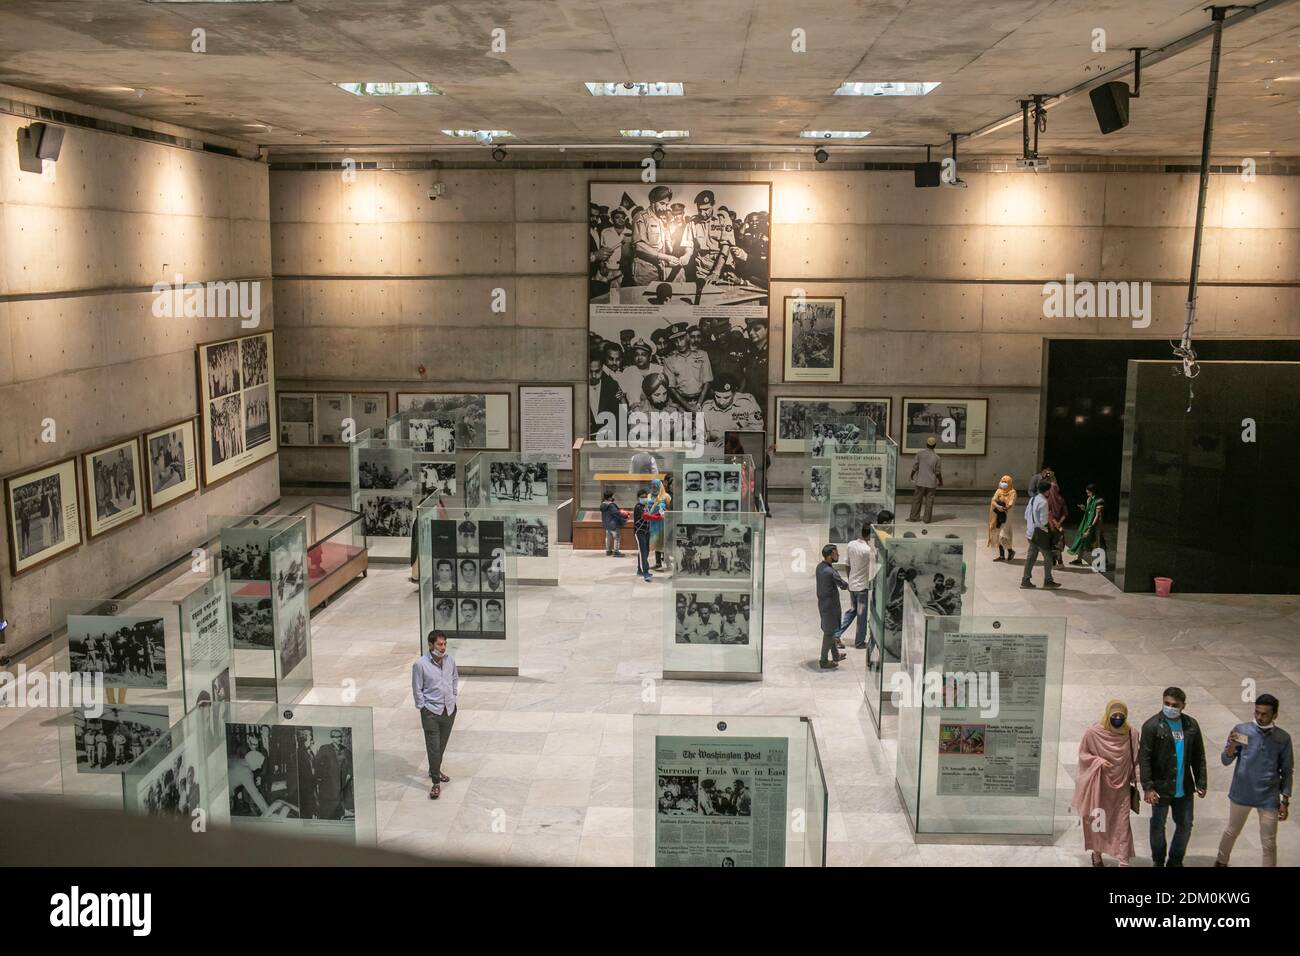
(297,418)
(814,339)
(114,492)
(958,423)
(44,515)
(482,418)
(795,416)
(170,464)
(236,407)
(546,423)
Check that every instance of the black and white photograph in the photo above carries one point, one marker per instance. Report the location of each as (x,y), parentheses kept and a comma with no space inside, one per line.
(830,439)
(171,463)
(678,794)
(819,477)
(251,622)
(934,567)
(246,553)
(297,418)
(466,537)
(387,516)
(172,788)
(712,550)
(116,739)
(848,517)
(467,592)
(518,481)
(444,575)
(114,493)
(386,469)
(467,576)
(494,615)
(287,565)
(712,617)
(957,424)
(369,410)
(678,302)
(437,478)
(130,651)
(482,420)
(436,436)
(529,537)
(293,642)
(222,368)
(814,339)
(290,773)
(796,418)
(444,614)
(253,361)
(238,412)
(873,478)
(44,515)
(468,615)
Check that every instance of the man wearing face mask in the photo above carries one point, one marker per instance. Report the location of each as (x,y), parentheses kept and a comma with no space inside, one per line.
(1171,762)
(1261,779)
(434,681)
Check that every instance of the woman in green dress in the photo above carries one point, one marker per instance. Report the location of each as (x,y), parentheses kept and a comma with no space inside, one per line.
(1090,534)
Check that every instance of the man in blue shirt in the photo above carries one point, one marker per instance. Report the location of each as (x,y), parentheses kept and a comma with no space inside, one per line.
(1171,764)
(1039,536)
(434,681)
(1261,779)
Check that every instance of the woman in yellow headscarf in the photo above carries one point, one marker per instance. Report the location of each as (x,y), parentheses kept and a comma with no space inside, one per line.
(1105,787)
(1000,505)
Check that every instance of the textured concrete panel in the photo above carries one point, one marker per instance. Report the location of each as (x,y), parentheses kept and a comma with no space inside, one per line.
(545,195)
(1143,253)
(894,199)
(1011,360)
(932,306)
(469,248)
(551,301)
(1036,252)
(1016,199)
(550,248)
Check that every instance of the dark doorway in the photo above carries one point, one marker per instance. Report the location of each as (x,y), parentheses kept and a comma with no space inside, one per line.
(1083,404)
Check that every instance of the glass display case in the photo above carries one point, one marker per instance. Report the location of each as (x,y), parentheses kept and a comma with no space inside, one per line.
(207,645)
(822,441)
(979,725)
(336,549)
(715,791)
(939,561)
(125,683)
(388,480)
(177,774)
(469,587)
(860,485)
(623,469)
(522,491)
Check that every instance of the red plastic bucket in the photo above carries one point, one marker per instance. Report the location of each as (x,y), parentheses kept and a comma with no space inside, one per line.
(1163,585)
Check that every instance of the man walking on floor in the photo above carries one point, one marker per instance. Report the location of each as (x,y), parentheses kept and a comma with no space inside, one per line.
(860,567)
(1261,779)
(927,476)
(829,585)
(1039,536)
(434,680)
(1171,765)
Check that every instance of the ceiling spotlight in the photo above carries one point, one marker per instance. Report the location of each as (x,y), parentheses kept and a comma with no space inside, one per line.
(657,154)
(820,154)
(499,154)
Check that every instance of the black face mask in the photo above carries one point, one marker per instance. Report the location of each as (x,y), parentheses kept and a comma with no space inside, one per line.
(1117,721)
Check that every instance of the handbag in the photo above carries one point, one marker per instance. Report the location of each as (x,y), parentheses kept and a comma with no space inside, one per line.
(1134,798)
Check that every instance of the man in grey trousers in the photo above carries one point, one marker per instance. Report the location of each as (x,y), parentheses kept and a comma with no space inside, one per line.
(433,684)
(927,475)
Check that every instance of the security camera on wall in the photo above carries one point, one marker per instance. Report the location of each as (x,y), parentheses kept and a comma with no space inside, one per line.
(436,190)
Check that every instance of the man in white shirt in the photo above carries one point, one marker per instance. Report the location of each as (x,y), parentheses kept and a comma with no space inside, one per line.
(862,568)
(1039,536)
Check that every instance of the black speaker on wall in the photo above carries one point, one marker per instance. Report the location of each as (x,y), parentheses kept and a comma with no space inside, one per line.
(37,142)
(926,174)
(1110,103)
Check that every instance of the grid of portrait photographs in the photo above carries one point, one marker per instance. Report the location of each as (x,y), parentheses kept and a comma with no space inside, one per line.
(44,515)
(518,481)
(386,516)
(280,772)
(480,421)
(170,463)
(710,488)
(114,493)
(712,551)
(795,417)
(708,616)
(529,537)
(236,379)
(117,738)
(172,788)
(437,478)
(386,469)
(678,303)
(468,578)
(129,650)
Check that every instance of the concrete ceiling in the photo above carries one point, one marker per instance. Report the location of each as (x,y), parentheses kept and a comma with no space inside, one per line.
(267,76)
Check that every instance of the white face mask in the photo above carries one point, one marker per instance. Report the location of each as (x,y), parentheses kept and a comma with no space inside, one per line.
(1267,726)
(1002,485)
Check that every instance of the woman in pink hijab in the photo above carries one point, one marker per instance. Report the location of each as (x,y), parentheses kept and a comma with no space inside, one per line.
(1105,785)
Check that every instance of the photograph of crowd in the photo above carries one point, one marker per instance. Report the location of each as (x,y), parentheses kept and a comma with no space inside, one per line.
(40,526)
(239,427)
(114,479)
(678,294)
(712,617)
(226,428)
(530,537)
(712,550)
(386,469)
(813,339)
(246,553)
(253,360)
(437,478)
(117,738)
(435,436)
(518,481)
(796,417)
(828,439)
(257,416)
(129,651)
(957,424)
(172,788)
(480,421)
(290,772)
(385,516)
(223,369)
(677,794)
(252,622)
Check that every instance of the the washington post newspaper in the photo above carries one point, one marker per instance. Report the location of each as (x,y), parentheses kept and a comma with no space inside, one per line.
(720,801)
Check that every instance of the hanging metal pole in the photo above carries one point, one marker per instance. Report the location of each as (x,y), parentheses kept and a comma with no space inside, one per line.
(1184,349)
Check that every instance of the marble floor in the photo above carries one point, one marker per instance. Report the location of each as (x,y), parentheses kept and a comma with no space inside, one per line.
(541,764)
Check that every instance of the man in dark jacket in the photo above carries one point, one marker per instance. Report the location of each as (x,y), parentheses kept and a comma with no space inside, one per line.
(612,519)
(829,585)
(1171,765)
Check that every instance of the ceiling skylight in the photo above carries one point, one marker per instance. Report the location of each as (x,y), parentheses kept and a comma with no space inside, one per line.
(636,89)
(885,89)
(656,133)
(388,89)
(835,133)
(483,134)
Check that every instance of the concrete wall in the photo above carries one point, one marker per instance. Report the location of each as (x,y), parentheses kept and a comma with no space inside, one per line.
(942,287)
(79,342)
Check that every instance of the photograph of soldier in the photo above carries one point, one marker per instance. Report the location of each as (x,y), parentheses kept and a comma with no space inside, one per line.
(712,550)
(444,614)
(128,651)
(245,553)
(518,481)
(603,394)
(257,416)
(116,739)
(37,514)
(531,537)
(293,645)
(694,481)
(711,617)
(225,416)
(223,369)
(387,517)
(467,538)
(437,478)
(795,417)
(469,573)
